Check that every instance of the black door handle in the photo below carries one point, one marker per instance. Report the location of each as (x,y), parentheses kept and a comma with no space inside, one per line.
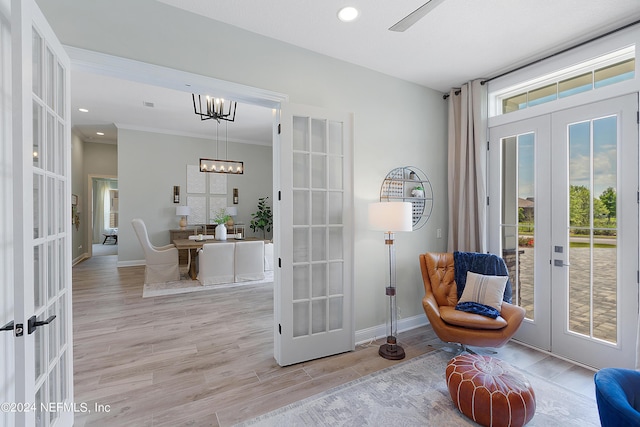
(33,323)
(7,327)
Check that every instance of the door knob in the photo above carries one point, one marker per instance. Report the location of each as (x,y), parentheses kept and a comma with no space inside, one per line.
(33,323)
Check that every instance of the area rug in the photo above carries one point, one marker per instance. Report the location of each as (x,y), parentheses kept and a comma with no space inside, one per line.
(414,393)
(187,285)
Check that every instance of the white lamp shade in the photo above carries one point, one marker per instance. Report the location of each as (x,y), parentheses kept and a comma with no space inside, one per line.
(183,211)
(391,216)
(232,211)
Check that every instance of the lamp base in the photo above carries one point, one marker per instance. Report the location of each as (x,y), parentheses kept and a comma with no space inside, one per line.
(391,351)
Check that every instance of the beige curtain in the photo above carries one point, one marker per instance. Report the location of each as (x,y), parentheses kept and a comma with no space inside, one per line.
(467,168)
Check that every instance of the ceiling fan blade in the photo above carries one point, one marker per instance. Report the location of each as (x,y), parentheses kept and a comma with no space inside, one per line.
(415,16)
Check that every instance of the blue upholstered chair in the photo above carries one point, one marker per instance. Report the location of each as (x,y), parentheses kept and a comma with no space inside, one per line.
(618,397)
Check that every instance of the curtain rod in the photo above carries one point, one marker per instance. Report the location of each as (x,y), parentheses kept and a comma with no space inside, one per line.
(624,27)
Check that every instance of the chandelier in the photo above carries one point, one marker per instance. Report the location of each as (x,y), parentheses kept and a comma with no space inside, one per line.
(214,108)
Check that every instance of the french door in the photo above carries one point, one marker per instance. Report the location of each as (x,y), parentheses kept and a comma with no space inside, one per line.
(568,225)
(313,170)
(37,249)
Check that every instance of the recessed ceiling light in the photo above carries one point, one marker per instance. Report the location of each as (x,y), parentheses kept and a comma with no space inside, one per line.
(348,14)
(100,133)
(83,110)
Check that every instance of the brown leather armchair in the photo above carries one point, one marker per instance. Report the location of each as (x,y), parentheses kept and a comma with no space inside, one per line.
(451,325)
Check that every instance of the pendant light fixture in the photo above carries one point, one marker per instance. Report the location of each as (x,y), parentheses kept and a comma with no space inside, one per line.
(234,167)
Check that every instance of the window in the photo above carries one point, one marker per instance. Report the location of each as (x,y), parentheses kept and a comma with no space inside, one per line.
(111,209)
(603,71)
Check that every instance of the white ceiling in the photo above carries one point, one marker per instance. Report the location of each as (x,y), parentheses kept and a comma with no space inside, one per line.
(457,41)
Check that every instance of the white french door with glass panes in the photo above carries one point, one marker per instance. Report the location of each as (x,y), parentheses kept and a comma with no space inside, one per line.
(567,221)
(520,209)
(38,252)
(314,243)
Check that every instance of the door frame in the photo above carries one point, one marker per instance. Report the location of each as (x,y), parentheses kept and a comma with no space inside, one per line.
(118,67)
(89,209)
(7,302)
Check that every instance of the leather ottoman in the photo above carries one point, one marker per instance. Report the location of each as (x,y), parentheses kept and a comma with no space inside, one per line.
(489,391)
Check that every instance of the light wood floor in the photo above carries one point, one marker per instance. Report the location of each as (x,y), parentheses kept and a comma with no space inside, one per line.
(206,358)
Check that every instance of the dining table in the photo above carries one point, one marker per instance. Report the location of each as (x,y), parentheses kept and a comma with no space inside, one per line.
(192,246)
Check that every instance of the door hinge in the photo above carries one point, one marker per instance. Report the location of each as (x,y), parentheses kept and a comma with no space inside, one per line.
(488,145)
(279,262)
(638,276)
(638,117)
(487,201)
(279,195)
(279,328)
(279,128)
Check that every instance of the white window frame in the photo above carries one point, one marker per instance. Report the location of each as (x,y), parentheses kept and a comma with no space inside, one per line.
(589,66)
(603,52)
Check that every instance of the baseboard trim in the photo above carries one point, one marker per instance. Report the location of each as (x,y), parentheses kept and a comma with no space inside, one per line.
(79,259)
(380,331)
(134,263)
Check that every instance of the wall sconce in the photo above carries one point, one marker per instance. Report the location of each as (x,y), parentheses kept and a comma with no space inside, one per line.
(176,194)
(235,196)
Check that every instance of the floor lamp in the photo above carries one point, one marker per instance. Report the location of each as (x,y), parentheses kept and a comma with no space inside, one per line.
(391,217)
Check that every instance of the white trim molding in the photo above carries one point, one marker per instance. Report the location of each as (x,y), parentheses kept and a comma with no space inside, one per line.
(128,69)
(380,331)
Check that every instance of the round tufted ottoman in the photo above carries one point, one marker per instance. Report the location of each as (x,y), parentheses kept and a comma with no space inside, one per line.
(489,391)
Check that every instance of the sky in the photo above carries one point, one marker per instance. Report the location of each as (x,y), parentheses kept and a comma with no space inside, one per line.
(599,165)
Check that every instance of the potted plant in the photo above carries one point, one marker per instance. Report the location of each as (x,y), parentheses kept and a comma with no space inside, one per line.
(220,218)
(262,219)
(418,191)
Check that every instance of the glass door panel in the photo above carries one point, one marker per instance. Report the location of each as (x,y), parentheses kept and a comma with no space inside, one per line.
(592,227)
(518,213)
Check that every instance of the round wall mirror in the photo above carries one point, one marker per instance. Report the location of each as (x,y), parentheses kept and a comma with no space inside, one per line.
(409,184)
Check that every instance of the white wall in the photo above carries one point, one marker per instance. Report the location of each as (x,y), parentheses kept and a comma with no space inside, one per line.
(396,123)
(100,159)
(150,164)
